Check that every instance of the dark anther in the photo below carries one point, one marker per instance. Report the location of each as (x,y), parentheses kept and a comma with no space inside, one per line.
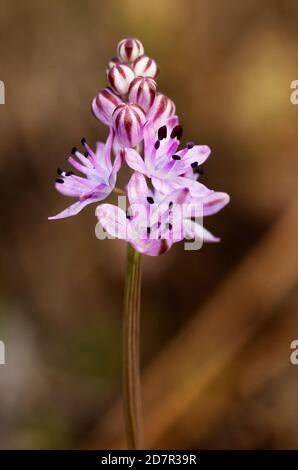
(128,216)
(59,180)
(171,205)
(190,145)
(68,173)
(83,141)
(148,230)
(162,132)
(59,171)
(176,157)
(73,150)
(157,144)
(194,164)
(150,200)
(169,226)
(159,224)
(86,154)
(177,132)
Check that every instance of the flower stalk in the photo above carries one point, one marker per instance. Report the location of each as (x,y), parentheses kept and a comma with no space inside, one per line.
(131,351)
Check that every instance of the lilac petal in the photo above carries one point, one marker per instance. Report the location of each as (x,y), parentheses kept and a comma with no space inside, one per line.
(214,202)
(149,141)
(74,186)
(152,247)
(194,230)
(137,189)
(198,153)
(135,161)
(116,167)
(74,209)
(113,219)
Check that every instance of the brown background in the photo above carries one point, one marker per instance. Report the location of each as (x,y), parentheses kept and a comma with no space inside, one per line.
(217,323)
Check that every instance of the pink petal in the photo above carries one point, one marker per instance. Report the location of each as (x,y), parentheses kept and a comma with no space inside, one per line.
(113,219)
(135,161)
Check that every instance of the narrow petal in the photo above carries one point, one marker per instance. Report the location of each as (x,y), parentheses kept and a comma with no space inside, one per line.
(215,202)
(137,189)
(74,209)
(194,230)
(135,161)
(113,219)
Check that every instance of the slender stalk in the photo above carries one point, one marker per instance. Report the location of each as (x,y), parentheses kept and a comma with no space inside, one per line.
(131,344)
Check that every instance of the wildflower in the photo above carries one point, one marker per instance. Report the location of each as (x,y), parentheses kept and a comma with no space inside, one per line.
(104,104)
(145,67)
(163,163)
(142,91)
(99,176)
(128,121)
(120,77)
(152,223)
(129,49)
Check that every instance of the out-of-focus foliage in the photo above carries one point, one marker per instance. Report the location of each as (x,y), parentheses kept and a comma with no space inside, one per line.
(228,66)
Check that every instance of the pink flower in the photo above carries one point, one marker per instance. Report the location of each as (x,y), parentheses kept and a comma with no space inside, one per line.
(129,49)
(104,104)
(152,223)
(128,121)
(145,67)
(120,77)
(142,91)
(163,163)
(99,176)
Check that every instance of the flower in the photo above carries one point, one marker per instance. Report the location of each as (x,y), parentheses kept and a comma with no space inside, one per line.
(142,91)
(145,67)
(163,163)
(129,49)
(162,109)
(104,104)
(120,77)
(99,176)
(154,222)
(128,121)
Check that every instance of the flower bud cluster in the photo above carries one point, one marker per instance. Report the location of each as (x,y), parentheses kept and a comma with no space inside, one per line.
(131,97)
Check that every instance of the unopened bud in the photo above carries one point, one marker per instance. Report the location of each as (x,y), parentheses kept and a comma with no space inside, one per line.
(113,61)
(129,49)
(142,91)
(120,77)
(104,104)
(162,109)
(145,67)
(128,121)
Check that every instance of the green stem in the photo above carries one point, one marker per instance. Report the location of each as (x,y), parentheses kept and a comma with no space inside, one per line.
(131,343)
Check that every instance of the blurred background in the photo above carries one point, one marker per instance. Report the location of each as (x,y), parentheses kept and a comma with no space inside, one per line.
(216,323)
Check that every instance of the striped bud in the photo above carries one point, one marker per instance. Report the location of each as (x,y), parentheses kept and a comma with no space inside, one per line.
(113,61)
(120,77)
(128,121)
(145,67)
(142,91)
(162,109)
(129,49)
(104,104)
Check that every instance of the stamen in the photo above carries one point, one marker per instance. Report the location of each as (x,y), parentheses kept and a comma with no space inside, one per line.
(59,171)
(150,200)
(148,230)
(194,164)
(162,132)
(68,173)
(83,141)
(190,145)
(176,157)
(169,226)
(86,154)
(177,132)
(74,150)
(59,180)
(157,144)
(171,205)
